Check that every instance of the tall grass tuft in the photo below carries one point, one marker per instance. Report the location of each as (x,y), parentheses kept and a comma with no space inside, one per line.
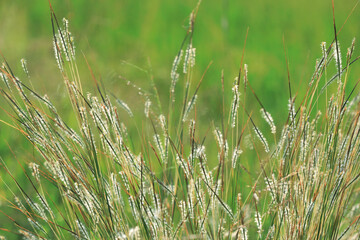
(169,183)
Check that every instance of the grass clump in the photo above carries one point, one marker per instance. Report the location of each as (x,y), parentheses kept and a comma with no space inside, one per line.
(174,181)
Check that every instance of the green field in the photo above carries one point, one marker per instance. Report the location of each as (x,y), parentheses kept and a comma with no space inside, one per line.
(137,41)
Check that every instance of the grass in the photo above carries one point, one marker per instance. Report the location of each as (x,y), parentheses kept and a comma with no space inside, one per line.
(164,173)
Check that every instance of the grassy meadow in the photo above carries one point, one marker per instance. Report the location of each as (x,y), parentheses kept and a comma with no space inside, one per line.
(94,144)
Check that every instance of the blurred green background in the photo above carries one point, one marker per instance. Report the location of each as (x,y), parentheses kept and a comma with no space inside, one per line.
(149,33)
(139,32)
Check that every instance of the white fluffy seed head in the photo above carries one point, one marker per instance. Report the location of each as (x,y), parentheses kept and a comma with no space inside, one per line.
(323,49)
(35,170)
(243,233)
(174,74)
(58,55)
(235,103)
(162,122)
(183,210)
(337,57)
(147,107)
(258,222)
(24,66)
(235,157)
(262,139)
(189,60)
(268,118)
